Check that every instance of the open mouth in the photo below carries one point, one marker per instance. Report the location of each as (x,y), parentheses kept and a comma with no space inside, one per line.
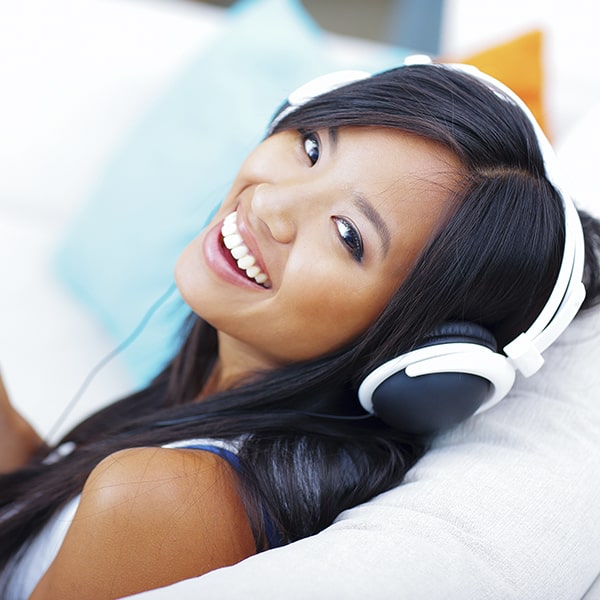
(241,255)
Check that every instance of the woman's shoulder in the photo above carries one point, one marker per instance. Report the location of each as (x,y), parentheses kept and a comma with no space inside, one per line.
(148,517)
(164,470)
(152,489)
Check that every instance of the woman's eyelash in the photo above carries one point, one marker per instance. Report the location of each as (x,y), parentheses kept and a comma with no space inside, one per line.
(350,236)
(311,144)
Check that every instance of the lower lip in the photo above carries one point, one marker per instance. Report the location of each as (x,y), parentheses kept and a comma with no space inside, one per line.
(220,261)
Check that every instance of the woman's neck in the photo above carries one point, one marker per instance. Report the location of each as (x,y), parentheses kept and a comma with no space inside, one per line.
(235,362)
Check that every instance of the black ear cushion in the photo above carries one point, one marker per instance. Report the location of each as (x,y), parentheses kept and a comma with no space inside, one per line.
(460,331)
(430,403)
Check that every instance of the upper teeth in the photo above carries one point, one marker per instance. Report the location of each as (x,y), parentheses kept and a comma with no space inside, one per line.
(235,244)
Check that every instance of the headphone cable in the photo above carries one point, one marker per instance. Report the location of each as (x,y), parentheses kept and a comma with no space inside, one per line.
(106,359)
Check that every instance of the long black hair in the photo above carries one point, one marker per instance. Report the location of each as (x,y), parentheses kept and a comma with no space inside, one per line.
(304,456)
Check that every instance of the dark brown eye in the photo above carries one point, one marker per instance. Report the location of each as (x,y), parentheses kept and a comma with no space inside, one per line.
(350,237)
(311,147)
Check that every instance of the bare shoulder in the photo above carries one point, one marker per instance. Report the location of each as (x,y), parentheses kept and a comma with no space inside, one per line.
(142,474)
(149,517)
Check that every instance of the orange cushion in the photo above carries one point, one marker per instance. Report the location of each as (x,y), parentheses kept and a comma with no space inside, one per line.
(518,63)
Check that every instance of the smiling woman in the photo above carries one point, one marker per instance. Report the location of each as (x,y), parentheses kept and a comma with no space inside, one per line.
(392,222)
(334,220)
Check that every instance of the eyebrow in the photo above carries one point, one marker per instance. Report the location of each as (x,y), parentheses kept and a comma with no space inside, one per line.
(376,219)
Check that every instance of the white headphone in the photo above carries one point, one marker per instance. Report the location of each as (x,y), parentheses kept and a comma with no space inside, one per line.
(459,373)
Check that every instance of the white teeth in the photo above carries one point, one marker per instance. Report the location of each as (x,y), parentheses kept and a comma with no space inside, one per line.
(239,251)
(246,262)
(252,271)
(235,244)
(232,240)
(228,228)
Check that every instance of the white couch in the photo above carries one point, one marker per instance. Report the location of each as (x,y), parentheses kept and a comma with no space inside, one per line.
(505,506)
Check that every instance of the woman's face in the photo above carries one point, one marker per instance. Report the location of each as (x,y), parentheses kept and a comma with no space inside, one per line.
(325,227)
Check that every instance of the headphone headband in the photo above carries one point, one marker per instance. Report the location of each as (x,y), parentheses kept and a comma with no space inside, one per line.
(313,88)
(569,292)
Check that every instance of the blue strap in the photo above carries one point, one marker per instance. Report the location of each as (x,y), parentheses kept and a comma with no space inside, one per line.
(228,455)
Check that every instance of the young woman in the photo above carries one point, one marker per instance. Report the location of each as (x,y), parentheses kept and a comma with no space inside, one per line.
(370,216)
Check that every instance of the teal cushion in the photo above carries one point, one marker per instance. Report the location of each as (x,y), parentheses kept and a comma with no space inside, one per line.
(176,164)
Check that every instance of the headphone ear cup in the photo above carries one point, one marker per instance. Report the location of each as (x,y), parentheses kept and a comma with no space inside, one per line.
(436,401)
(429,403)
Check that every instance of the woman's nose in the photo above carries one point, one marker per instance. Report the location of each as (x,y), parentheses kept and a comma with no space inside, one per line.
(279,207)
